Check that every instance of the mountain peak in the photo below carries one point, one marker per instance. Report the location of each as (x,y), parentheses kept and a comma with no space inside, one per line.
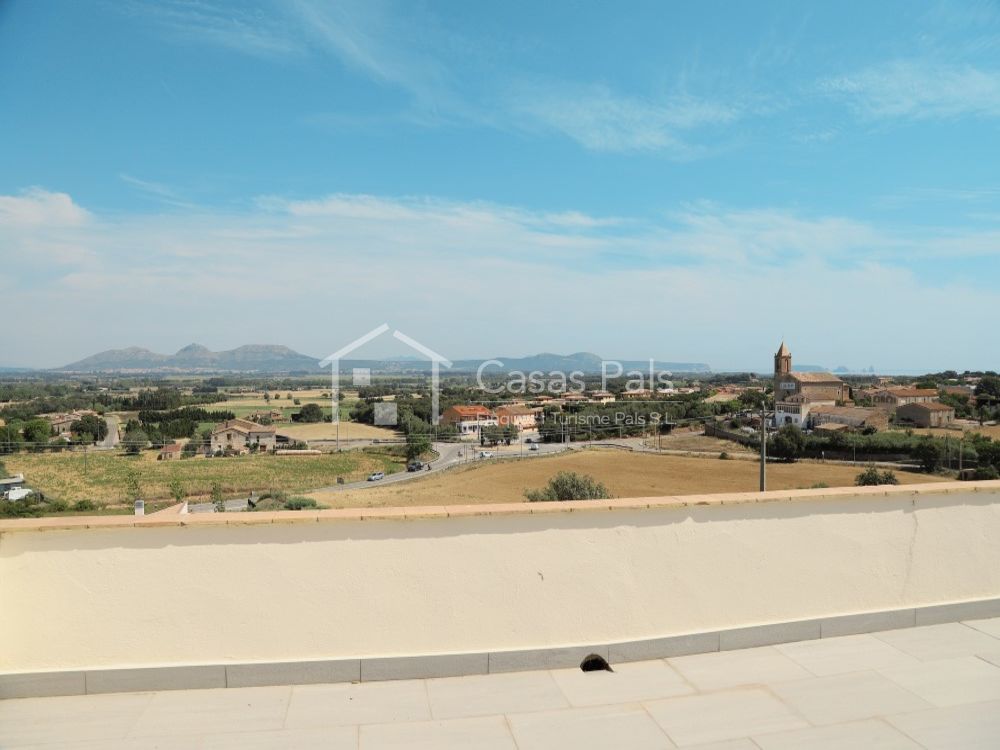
(193,349)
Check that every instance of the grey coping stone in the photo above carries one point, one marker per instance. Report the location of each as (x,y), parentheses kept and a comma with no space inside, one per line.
(543,658)
(662,648)
(422,667)
(868,622)
(156,678)
(293,673)
(42,684)
(941,613)
(768,635)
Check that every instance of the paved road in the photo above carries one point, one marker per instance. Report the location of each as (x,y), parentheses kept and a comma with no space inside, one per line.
(111,440)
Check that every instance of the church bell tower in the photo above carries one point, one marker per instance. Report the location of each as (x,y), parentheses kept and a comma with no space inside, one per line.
(782,361)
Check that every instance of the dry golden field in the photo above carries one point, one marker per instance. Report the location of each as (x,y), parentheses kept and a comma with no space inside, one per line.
(328,431)
(625,474)
(102,476)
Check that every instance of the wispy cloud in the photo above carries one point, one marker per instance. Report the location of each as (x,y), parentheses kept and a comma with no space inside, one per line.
(245,29)
(919,89)
(600,119)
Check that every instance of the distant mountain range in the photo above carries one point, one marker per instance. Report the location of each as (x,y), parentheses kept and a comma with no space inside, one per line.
(275,359)
(197,358)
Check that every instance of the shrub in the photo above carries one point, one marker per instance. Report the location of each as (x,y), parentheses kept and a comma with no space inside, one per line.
(299,503)
(568,485)
(872,477)
(84,505)
(57,506)
(928,452)
(217,499)
(987,472)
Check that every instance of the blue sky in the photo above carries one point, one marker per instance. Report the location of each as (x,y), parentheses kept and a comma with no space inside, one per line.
(680,181)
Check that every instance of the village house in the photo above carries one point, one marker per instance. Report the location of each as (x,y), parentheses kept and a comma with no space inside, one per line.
(893,398)
(469,420)
(170,452)
(602,397)
(240,434)
(522,417)
(926,414)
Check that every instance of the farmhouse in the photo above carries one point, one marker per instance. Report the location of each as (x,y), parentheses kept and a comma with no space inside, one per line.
(521,417)
(927,414)
(893,398)
(469,419)
(240,434)
(170,452)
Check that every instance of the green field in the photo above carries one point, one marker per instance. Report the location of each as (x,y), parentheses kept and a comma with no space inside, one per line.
(102,477)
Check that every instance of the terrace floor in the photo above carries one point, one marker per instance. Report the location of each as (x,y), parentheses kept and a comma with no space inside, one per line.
(935,686)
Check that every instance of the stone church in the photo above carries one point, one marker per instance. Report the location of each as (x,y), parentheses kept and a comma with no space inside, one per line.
(795,392)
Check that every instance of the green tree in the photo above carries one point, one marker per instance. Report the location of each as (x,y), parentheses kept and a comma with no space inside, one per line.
(176,488)
(928,452)
(569,485)
(988,388)
(311,413)
(416,446)
(37,432)
(135,440)
(788,443)
(91,425)
(133,485)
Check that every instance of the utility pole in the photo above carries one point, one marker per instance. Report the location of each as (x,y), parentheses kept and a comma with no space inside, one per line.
(763,447)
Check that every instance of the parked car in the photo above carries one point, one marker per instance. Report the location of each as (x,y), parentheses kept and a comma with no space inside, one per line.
(534,447)
(485,454)
(415,466)
(376,476)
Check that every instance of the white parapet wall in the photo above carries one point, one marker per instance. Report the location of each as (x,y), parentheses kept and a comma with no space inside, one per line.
(109,593)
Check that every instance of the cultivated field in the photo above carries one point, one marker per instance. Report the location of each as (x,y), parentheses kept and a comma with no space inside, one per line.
(625,474)
(102,476)
(328,431)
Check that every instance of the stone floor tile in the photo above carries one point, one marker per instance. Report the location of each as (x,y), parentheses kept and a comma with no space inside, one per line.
(849,653)
(26,721)
(219,710)
(357,703)
(847,697)
(731,714)
(593,728)
(482,733)
(871,734)
(972,726)
(751,666)
(950,682)
(502,693)
(629,683)
(989,626)
(945,641)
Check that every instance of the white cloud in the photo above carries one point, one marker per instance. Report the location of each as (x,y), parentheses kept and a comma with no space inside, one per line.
(477,278)
(36,207)
(919,89)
